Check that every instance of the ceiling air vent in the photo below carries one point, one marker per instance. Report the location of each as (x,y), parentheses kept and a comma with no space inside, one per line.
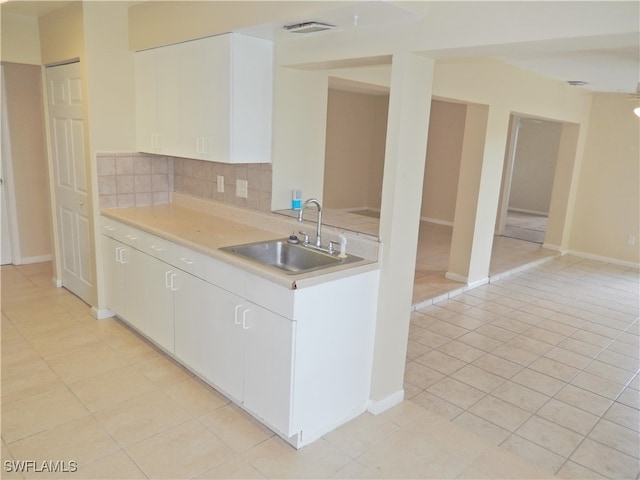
(308,27)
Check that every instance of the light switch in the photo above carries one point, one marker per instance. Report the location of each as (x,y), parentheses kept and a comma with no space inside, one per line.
(220,183)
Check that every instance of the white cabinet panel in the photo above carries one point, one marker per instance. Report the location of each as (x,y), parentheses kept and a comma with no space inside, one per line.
(269,347)
(114,290)
(192,298)
(209,99)
(159,286)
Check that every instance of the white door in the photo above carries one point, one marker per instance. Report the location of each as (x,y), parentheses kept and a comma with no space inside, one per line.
(67,132)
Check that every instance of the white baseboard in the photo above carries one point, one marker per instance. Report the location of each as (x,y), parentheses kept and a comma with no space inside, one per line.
(532,212)
(36,259)
(601,258)
(377,407)
(459,278)
(101,313)
(436,221)
(56,282)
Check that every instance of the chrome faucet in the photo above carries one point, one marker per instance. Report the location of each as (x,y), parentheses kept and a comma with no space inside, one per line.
(319,225)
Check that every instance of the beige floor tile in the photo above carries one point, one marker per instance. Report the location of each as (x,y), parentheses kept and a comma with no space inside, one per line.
(567,357)
(141,417)
(195,396)
(234,468)
(610,372)
(461,351)
(554,369)
(10,468)
(605,460)
(568,416)
(538,381)
(116,466)
(361,433)
(420,375)
(64,341)
(451,438)
(83,441)
(584,399)
(235,427)
(597,384)
(497,366)
(625,415)
(410,454)
(436,405)
(86,362)
(455,392)
(580,347)
(530,344)
(428,338)
(184,451)
(573,471)
(111,388)
(617,437)
(493,433)
(404,413)
(630,363)
(549,435)
(499,462)
(500,413)
(520,396)
(32,377)
(533,452)
(440,362)
(355,470)
(39,412)
(478,378)
(162,371)
(274,458)
(480,342)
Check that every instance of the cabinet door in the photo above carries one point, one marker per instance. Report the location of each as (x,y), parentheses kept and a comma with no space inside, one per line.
(268,366)
(225,348)
(159,302)
(134,285)
(112,252)
(204,97)
(146,101)
(168,86)
(191,298)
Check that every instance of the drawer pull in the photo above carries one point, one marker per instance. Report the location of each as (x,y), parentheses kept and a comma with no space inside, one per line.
(186,261)
(156,248)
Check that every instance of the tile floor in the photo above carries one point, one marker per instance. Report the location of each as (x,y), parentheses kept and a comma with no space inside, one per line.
(510,380)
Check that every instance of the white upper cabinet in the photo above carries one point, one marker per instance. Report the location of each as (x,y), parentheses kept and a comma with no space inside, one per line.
(209,99)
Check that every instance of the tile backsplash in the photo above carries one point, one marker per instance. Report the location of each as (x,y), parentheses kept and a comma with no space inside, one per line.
(138,179)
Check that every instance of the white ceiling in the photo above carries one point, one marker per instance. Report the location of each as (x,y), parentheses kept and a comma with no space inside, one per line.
(608,63)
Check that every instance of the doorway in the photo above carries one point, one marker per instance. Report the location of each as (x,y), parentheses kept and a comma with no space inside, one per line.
(71,199)
(528,178)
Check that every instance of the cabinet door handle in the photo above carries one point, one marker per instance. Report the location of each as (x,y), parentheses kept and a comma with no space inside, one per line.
(167,281)
(174,284)
(236,319)
(244,319)
(118,254)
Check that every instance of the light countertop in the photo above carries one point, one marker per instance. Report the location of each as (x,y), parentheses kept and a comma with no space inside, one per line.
(206,227)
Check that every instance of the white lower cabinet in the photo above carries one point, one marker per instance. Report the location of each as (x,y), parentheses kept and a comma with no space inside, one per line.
(298,360)
(251,357)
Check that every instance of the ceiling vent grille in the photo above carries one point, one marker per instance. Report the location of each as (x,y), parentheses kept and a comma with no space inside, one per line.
(308,27)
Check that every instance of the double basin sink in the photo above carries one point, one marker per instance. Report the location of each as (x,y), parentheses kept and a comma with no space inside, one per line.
(289,258)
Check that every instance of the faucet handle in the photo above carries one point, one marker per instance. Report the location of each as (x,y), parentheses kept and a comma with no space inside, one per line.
(332,246)
(306,237)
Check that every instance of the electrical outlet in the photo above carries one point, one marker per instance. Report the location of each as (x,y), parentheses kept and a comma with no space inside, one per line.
(220,183)
(242,188)
(631,240)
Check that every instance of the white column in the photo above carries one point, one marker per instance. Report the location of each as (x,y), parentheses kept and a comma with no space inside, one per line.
(406,145)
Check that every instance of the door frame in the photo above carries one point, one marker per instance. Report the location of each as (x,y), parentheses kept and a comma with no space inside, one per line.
(7,178)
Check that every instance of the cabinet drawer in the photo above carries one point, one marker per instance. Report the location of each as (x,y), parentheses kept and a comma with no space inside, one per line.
(185,259)
(155,246)
(124,233)
(269,295)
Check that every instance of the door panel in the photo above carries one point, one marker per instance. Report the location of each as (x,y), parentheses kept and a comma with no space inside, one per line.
(64,85)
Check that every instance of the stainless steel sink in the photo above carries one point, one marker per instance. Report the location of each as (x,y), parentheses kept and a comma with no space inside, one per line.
(287,257)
